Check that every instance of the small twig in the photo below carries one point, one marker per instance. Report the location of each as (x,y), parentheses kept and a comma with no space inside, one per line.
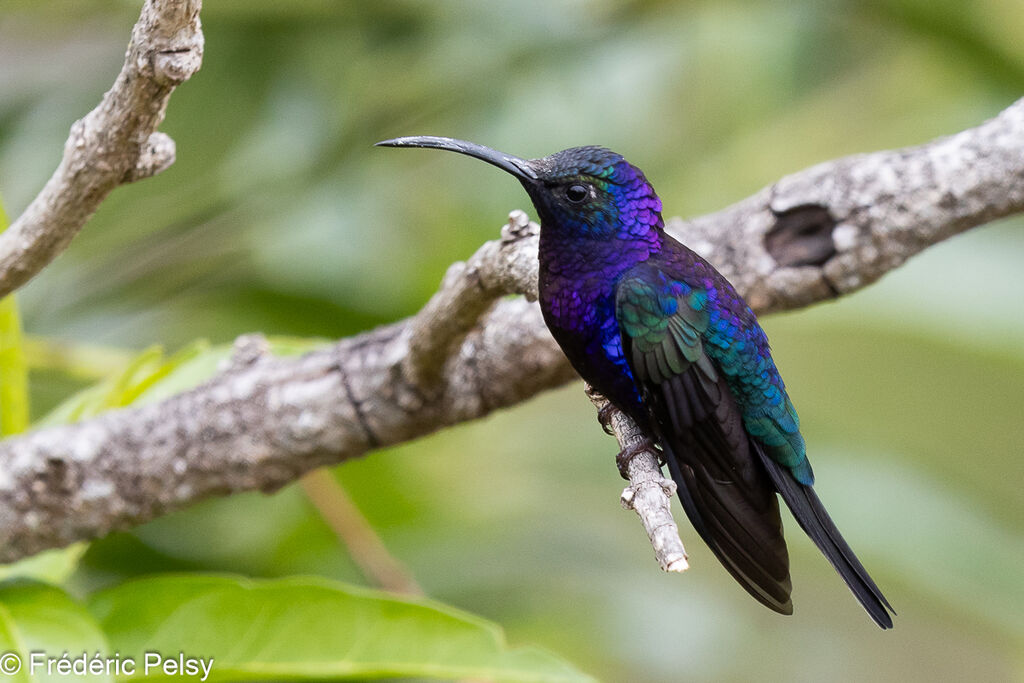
(356,533)
(649,493)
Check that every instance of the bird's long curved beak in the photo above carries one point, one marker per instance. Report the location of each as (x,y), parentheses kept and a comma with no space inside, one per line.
(520,168)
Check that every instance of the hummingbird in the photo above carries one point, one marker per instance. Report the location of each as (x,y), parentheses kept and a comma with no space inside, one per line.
(667,340)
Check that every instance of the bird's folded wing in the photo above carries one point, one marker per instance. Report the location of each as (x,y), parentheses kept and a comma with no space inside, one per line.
(723,486)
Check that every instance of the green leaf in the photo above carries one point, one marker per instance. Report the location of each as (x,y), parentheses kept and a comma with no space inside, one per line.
(310,629)
(14,406)
(36,617)
(52,566)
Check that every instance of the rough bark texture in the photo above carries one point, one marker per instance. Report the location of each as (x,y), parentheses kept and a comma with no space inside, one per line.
(838,226)
(264,421)
(115,143)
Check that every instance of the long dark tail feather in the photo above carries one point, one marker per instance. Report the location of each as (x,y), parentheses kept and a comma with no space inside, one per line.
(746,539)
(815,521)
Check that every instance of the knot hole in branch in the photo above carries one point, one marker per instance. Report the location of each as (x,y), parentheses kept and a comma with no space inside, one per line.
(801,236)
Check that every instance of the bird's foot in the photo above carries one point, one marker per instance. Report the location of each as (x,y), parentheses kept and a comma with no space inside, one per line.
(604,416)
(627,454)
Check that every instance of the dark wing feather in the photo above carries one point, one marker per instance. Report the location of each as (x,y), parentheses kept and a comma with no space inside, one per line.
(723,486)
(727,496)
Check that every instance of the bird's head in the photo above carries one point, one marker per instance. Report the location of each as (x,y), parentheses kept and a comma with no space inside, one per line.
(583,192)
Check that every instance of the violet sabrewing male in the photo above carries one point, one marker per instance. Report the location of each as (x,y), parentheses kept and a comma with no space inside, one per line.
(665,337)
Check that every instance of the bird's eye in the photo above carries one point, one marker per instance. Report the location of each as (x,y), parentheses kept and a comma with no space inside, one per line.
(576,193)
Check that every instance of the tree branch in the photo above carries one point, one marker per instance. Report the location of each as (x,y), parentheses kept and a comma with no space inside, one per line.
(115,143)
(506,266)
(264,421)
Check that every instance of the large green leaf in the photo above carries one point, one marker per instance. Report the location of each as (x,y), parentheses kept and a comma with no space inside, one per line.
(39,618)
(310,629)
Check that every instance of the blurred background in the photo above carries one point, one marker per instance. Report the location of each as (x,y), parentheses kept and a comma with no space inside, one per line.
(279,216)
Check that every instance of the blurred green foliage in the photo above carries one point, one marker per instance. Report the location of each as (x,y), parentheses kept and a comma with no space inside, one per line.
(14,398)
(279,216)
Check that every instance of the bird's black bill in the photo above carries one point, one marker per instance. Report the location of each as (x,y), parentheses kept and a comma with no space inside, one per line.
(520,168)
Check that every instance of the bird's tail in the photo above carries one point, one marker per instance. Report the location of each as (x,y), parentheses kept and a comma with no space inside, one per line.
(803,502)
(739,520)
